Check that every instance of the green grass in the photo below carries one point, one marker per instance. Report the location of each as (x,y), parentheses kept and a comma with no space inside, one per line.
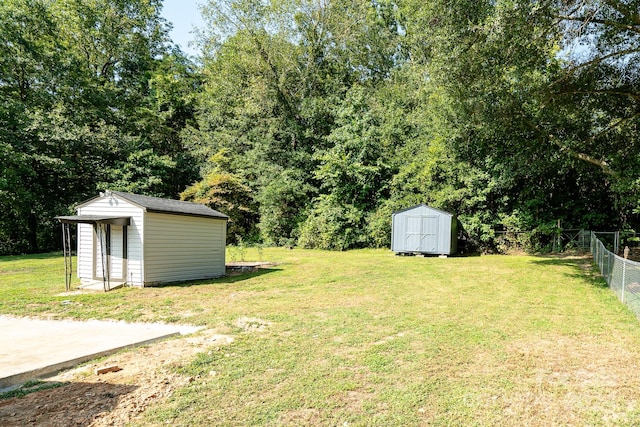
(366,338)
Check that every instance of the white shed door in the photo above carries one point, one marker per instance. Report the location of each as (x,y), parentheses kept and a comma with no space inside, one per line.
(116,258)
(110,240)
(422,233)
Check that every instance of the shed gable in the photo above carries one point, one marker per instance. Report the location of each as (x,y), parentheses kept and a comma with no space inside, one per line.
(135,252)
(424,210)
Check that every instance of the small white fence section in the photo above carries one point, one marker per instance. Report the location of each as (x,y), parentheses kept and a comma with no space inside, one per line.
(622,275)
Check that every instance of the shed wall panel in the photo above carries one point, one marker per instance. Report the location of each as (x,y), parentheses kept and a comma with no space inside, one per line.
(181,247)
(135,237)
(85,251)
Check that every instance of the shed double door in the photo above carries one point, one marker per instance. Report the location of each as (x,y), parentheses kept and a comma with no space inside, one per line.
(422,233)
(110,240)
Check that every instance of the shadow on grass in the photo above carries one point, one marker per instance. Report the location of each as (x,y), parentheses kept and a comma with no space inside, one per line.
(472,254)
(224,279)
(75,404)
(419,255)
(582,265)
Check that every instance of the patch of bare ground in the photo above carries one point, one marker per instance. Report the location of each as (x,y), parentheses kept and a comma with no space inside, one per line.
(570,379)
(306,417)
(252,324)
(115,398)
(74,292)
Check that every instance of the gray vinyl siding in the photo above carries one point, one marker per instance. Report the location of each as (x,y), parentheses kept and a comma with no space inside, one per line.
(110,205)
(179,247)
(422,229)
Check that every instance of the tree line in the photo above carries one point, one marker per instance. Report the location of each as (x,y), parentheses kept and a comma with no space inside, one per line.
(310,121)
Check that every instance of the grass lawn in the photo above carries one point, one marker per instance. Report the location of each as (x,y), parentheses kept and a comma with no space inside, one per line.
(365,338)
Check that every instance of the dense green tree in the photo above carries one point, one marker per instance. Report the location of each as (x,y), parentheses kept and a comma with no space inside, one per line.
(282,206)
(91,95)
(498,65)
(276,73)
(598,90)
(354,173)
(312,121)
(224,190)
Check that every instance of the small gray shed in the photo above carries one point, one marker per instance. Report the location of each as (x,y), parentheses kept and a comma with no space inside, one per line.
(425,230)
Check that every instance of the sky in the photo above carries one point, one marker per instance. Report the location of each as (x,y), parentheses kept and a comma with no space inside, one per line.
(184,15)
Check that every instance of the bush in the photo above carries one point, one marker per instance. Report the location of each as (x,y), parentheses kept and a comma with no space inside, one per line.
(332,225)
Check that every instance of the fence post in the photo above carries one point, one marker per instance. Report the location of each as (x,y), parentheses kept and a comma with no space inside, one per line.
(624,274)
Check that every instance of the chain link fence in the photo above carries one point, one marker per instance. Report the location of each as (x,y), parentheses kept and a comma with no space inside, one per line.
(622,275)
(549,241)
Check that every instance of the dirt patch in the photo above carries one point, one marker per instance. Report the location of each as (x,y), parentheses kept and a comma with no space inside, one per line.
(147,376)
(252,324)
(75,292)
(390,338)
(299,417)
(560,374)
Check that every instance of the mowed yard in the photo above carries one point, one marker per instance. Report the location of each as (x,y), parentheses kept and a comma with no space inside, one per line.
(364,338)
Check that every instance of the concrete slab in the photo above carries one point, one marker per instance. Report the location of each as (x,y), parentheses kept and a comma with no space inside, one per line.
(239,267)
(99,286)
(33,348)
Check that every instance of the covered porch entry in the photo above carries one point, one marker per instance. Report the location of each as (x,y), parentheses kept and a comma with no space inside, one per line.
(109,249)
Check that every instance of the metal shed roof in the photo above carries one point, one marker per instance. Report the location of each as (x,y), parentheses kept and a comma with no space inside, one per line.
(426,206)
(159,205)
(95,219)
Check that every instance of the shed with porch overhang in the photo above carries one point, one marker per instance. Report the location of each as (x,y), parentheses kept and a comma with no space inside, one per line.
(138,240)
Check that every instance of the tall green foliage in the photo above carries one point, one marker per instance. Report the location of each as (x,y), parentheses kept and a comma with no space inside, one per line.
(225,190)
(87,100)
(598,91)
(481,108)
(312,121)
(277,74)
(499,64)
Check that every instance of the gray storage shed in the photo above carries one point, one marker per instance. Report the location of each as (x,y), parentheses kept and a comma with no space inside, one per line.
(424,230)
